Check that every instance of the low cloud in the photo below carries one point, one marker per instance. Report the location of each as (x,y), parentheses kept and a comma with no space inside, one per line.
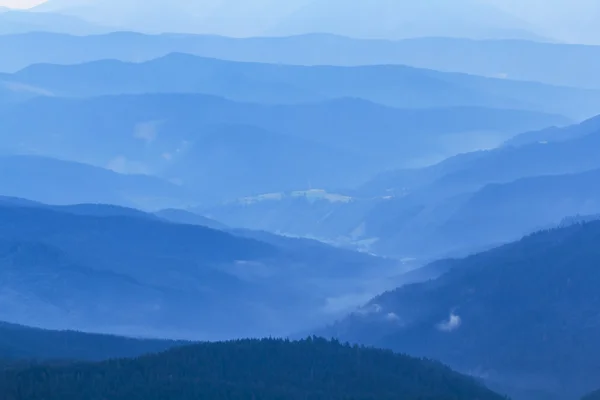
(392,316)
(122,165)
(147,131)
(451,324)
(369,309)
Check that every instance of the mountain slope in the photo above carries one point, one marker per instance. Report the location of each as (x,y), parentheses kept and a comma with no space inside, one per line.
(14,93)
(592,396)
(424,212)
(551,63)
(503,212)
(397,86)
(185,217)
(524,315)
(557,134)
(63,182)
(113,271)
(223,149)
(24,343)
(429,208)
(569,152)
(266,369)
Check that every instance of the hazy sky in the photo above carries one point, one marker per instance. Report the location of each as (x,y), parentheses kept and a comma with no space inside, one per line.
(20,3)
(566,20)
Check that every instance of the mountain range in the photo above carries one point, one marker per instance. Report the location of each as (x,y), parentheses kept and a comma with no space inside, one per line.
(396,86)
(523,316)
(115,270)
(220,149)
(465,203)
(550,63)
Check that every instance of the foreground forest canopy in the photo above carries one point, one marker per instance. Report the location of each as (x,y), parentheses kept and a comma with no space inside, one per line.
(248,369)
(593,396)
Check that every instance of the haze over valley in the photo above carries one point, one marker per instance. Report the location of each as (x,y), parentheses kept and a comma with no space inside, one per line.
(321,199)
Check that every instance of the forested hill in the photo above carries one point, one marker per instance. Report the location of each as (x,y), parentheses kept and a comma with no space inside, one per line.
(23,343)
(592,396)
(249,369)
(524,315)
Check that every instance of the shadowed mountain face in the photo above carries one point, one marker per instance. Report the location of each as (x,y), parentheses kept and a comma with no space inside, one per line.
(523,316)
(108,269)
(592,396)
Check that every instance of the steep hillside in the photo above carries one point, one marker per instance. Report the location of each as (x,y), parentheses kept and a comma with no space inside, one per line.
(266,369)
(58,182)
(523,316)
(592,396)
(503,212)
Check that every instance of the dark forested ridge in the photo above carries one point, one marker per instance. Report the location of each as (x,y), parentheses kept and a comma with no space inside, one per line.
(592,396)
(525,314)
(249,369)
(24,343)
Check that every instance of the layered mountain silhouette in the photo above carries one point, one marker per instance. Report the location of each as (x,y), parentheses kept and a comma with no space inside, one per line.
(115,270)
(473,191)
(465,203)
(523,316)
(397,86)
(550,63)
(221,149)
